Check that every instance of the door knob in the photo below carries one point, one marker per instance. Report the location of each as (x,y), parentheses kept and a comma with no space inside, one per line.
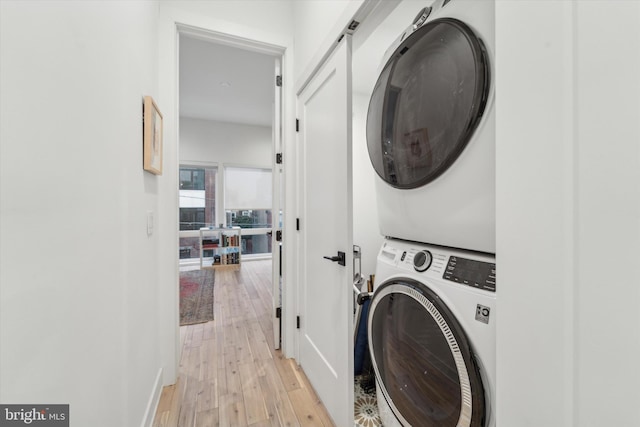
(340,258)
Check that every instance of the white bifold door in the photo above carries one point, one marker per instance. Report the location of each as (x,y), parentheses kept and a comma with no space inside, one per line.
(326,234)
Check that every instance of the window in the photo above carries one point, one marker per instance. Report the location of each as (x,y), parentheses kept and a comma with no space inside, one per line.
(197,206)
(192,179)
(192,218)
(247,202)
(250,218)
(197,197)
(247,188)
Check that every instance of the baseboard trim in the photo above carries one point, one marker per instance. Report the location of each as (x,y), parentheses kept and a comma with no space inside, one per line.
(152,406)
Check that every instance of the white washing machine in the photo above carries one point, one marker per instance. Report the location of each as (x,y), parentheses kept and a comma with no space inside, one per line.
(431,129)
(432,336)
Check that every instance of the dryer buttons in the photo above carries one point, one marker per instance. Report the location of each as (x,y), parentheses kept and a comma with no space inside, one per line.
(469,272)
(422,260)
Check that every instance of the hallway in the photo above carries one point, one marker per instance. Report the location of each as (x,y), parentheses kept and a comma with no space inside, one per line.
(229,373)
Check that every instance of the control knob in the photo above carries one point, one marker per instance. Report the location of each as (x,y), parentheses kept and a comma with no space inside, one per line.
(422,260)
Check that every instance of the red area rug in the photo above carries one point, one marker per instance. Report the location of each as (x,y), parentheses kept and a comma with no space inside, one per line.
(196,296)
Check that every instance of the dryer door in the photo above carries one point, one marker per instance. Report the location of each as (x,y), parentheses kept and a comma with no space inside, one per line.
(427,103)
(423,361)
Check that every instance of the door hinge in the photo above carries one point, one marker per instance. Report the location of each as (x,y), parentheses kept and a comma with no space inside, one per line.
(297,125)
(279,158)
(279,81)
(297,322)
(278,235)
(297,224)
(278,312)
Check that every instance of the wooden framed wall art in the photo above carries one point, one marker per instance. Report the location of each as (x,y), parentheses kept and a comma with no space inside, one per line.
(152,135)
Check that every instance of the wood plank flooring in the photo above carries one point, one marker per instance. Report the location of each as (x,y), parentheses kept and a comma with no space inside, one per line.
(230,374)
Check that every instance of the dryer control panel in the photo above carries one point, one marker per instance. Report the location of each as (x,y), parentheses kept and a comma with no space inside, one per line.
(477,274)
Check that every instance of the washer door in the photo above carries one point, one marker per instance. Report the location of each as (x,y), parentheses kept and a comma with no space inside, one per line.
(427,103)
(423,361)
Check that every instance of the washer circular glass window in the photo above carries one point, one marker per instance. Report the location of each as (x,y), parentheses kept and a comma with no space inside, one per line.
(423,361)
(427,102)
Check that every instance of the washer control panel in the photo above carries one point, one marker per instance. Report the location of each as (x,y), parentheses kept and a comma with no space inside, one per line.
(477,274)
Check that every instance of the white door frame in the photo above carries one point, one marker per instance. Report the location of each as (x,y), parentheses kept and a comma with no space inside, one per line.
(277,184)
(171,24)
(276,141)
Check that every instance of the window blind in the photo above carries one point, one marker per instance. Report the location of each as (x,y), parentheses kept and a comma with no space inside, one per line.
(247,188)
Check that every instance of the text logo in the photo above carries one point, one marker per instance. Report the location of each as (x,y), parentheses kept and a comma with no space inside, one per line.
(34,415)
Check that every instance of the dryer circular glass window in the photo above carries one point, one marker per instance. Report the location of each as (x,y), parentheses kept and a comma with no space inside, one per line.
(423,361)
(427,102)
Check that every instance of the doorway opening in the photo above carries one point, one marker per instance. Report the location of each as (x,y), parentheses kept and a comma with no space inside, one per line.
(229,131)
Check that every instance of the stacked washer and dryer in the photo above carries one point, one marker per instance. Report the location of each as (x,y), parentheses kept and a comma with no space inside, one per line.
(431,140)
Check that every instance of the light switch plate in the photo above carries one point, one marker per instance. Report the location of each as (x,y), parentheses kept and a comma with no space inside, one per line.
(149,223)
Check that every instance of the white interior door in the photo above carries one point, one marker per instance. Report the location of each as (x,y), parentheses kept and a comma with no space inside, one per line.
(276,278)
(325,299)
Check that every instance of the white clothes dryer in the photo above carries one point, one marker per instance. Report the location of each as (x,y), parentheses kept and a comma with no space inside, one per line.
(431,129)
(432,336)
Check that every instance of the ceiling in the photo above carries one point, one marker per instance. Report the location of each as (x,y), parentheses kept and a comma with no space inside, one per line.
(230,84)
(223,83)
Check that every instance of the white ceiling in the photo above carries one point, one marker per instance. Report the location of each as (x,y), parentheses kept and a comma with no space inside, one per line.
(224,83)
(206,67)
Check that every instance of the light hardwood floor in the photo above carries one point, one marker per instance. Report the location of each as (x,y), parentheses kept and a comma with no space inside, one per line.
(230,374)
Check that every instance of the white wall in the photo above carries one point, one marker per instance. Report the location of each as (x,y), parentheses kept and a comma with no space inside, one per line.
(247,17)
(80,279)
(608,212)
(226,143)
(317,25)
(366,232)
(568,235)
